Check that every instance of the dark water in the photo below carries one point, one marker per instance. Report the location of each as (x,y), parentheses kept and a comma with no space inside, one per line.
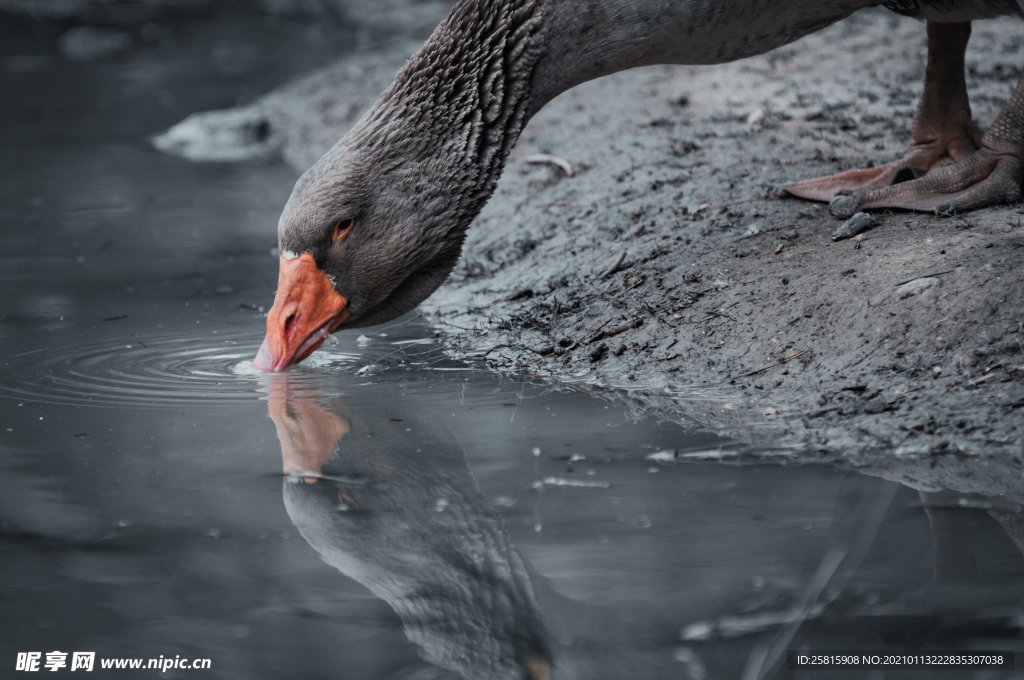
(384,512)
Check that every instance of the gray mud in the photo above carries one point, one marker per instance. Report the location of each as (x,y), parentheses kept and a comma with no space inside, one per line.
(666,273)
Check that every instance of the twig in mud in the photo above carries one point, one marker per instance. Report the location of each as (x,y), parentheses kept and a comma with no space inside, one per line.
(705,173)
(461,328)
(983,379)
(780,362)
(520,348)
(521,294)
(546,158)
(615,268)
(705,207)
(718,314)
(590,334)
(617,330)
(635,284)
(924,276)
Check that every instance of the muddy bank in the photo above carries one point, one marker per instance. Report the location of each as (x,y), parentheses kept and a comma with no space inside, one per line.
(659,261)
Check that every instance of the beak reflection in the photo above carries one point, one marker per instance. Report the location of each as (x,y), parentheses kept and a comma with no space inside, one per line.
(308,431)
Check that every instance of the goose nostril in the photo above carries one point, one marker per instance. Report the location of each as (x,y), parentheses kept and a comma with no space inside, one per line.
(289,322)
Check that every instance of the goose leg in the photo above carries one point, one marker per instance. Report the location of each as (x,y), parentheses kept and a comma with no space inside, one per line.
(942,131)
(992,175)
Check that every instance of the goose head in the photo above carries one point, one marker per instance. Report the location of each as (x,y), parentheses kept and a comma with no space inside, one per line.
(369,232)
(377,224)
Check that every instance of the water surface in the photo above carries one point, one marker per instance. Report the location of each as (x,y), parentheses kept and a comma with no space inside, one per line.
(382,512)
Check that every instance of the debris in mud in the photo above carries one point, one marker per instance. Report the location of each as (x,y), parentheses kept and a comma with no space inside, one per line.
(756,117)
(633,281)
(857,224)
(728,627)
(673,455)
(559,481)
(915,287)
(549,159)
(784,360)
(617,330)
(615,268)
(521,294)
(667,456)
(598,353)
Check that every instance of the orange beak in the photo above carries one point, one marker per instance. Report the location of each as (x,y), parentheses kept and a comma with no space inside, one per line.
(306,310)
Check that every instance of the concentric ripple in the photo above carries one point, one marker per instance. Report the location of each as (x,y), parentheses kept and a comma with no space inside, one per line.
(144,372)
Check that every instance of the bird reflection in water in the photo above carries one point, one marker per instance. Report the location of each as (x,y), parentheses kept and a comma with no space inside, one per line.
(388,500)
(408,524)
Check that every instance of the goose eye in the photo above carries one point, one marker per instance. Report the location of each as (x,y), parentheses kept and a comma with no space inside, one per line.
(341,229)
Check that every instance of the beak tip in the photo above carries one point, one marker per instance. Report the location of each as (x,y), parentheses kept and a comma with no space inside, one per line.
(265,360)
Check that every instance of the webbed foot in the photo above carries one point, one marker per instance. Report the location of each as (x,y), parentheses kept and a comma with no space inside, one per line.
(985,178)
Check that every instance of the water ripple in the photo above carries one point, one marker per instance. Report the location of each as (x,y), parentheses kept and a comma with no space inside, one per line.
(147,371)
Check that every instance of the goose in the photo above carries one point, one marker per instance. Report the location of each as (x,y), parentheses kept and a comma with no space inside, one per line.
(378,223)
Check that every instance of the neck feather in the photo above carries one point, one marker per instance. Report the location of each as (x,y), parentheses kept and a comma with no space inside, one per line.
(456,109)
(464,98)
